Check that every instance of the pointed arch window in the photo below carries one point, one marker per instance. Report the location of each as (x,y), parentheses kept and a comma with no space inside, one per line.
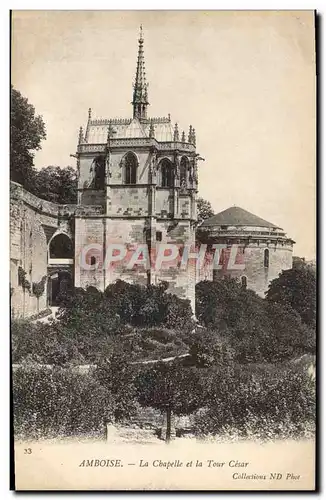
(184,167)
(97,172)
(266,258)
(166,173)
(130,168)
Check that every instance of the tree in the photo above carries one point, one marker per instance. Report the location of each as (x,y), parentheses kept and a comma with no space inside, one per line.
(265,401)
(204,209)
(172,389)
(257,329)
(56,184)
(296,288)
(149,306)
(27,130)
(116,374)
(208,348)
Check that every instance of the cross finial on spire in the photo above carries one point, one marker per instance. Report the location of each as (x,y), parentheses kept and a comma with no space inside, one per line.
(141,32)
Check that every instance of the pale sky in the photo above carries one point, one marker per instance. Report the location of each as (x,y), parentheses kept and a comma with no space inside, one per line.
(244,80)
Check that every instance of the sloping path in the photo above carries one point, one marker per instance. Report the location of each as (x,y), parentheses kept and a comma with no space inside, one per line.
(49,317)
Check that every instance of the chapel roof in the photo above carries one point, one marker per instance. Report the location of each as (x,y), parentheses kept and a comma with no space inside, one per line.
(97,130)
(236,216)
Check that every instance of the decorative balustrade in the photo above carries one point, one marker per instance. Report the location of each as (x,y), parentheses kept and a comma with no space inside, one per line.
(114,121)
(136,142)
(246,231)
(241,232)
(127,121)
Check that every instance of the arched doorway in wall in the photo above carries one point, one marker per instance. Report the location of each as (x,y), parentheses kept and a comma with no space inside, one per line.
(60,283)
(60,267)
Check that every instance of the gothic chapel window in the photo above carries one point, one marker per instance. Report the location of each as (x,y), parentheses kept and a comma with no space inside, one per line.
(130,169)
(266,258)
(166,173)
(183,171)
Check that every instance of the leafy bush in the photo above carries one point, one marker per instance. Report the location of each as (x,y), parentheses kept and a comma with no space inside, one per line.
(153,343)
(44,341)
(265,401)
(64,401)
(123,303)
(208,348)
(257,329)
(59,344)
(51,402)
(149,306)
(296,288)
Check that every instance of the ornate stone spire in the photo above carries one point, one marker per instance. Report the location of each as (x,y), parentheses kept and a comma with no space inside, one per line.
(88,123)
(111,132)
(140,96)
(151,130)
(176,133)
(193,137)
(190,134)
(80,137)
(183,137)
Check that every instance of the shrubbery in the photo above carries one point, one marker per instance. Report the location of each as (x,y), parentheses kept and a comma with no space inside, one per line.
(261,401)
(53,402)
(257,329)
(146,322)
(296,288)
(65,401)
(238,373)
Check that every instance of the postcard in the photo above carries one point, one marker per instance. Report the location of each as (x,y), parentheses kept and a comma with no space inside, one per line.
(163,250)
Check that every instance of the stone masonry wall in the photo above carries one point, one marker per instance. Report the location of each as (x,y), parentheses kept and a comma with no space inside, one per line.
(29,252)
(33,222)
(258,277)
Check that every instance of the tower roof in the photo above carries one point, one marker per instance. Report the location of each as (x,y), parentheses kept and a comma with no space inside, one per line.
(236,216)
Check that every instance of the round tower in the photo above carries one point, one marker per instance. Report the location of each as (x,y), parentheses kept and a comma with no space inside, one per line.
(250,248)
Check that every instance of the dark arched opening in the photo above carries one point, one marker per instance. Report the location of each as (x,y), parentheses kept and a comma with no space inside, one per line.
(166,173)
(98,168)
(266,258)
(184,166)
(61,247)
(130,168)
(60,285)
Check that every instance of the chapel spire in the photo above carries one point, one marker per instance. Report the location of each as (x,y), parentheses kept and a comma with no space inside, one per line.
(140,97)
